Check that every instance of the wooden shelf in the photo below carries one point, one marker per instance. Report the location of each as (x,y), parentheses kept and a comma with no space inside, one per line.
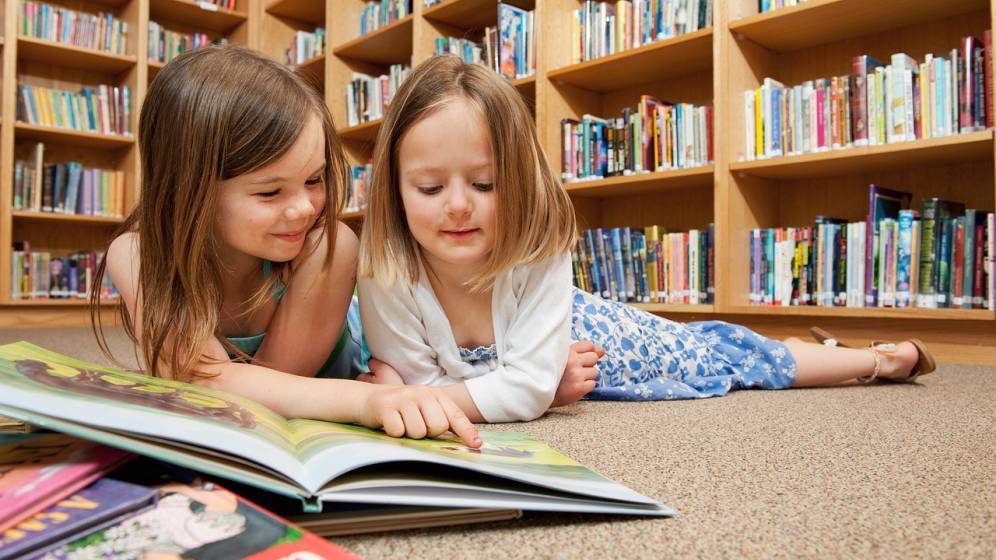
(310,11)
(669,58)
(972,146)
(865,312)
(675,308)
(203,15)
(74,137)
(817,22)
(391,44)
(154,67)
(470,14)
(313,70)
(353,216)
(641,183)
(363,132)
(525,84)
(49,52)
(75,219)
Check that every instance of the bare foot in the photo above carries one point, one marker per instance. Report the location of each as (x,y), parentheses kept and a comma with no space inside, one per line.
(899,363)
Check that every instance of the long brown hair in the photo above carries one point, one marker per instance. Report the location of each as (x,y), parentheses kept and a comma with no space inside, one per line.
(211,114)
(535,218)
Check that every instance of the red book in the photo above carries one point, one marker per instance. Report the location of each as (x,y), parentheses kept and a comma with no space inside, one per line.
(978,292)
(958,264)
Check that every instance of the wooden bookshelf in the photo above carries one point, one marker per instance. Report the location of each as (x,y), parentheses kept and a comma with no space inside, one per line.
(712,66)
(76,219)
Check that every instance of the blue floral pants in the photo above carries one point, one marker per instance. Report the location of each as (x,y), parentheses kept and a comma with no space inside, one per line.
(651,358)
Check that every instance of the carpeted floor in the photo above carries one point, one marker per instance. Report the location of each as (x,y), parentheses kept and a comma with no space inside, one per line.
(889,471)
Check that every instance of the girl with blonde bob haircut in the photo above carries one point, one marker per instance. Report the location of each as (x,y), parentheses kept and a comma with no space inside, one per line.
(233,270)
(465,276)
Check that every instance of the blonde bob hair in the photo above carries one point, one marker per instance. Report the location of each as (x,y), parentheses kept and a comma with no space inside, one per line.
(535,218)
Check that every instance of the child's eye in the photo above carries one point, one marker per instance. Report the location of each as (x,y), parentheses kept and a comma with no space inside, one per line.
(268,194)
(430,190)
(484,187)
(314,180)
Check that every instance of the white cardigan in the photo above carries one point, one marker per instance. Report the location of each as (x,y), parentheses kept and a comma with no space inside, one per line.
(405,327)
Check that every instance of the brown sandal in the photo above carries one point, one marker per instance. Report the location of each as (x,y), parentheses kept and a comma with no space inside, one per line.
(925,360)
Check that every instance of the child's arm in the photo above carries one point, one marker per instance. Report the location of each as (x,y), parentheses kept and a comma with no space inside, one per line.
(412,411)
(309,319)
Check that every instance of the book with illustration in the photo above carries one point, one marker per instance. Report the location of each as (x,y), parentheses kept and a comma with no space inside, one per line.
(103,503)
(318,462)
(197,520)
(37,470)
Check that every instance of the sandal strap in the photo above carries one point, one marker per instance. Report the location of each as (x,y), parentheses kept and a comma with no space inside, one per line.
(876,348)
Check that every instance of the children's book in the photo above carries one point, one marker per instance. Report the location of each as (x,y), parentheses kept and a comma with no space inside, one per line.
(200,520)
(359,519)
(318,462)
(92,508)
(37,470)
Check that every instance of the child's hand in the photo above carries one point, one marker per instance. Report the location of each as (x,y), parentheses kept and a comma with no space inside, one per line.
(416,411)
(579,375)
(381,374)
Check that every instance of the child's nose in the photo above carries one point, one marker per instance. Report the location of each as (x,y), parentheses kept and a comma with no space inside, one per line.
(300,207)
(457,202)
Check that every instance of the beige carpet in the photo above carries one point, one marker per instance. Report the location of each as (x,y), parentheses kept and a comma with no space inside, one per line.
(892,471)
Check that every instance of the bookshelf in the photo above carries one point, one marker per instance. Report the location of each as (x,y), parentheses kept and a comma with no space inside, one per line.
(712,66)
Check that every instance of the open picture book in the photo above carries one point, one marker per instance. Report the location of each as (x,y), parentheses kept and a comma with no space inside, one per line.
(318,462)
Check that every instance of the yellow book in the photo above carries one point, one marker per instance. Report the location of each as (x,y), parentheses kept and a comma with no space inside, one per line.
(577,49)
(924,101)
(758,125)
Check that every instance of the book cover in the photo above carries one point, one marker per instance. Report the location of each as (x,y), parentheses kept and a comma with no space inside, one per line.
(40,469)
(882,203)
(103,501)
(238,439)
(199,520)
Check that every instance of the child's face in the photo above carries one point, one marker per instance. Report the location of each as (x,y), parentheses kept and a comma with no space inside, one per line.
(268,213)
(447,185)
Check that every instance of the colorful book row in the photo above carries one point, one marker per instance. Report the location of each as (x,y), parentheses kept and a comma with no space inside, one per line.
(377,14)
(927,259)
(654,137)
(102,109)
(367,97)
(602,28)
(356,194)
(647,266)
(165,45)
(39,275)
(876,104)
(102,32)
(68,188)
(306,46)
(508,48)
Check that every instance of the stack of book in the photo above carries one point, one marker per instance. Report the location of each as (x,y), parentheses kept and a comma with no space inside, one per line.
(603,28)
(508,48)
(213,5)
(356,195)
(39,275)
(165,45)
(876,104)
(378,13)
(653,137)
(134,468)
(102,32)
(67,188)
(305,47)
(938,257)
(102,109)
(768,5)
(648,266)
(367,97)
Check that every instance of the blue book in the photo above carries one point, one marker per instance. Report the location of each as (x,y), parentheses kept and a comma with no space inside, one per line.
(603,257)
(101,504)
(882,203)
(617,261)
(903,259)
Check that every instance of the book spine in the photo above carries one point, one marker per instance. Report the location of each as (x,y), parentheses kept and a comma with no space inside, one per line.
(903,261)
(926,296)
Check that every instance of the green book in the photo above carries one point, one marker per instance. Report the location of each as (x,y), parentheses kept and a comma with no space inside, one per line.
(318,462)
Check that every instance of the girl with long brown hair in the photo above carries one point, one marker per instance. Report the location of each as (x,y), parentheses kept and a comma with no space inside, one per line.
(465,274)
(233,270)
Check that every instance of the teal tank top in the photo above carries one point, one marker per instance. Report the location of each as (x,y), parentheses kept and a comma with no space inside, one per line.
(348,359)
